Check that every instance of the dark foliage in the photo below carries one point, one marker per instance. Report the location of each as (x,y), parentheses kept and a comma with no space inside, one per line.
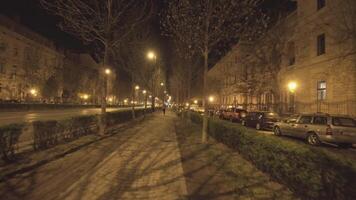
(310,172)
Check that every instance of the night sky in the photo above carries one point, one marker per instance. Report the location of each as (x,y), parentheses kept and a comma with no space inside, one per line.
(33,16)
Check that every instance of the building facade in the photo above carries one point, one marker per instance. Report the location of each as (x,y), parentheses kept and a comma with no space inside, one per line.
(33,69)
(310,68)
(26,60)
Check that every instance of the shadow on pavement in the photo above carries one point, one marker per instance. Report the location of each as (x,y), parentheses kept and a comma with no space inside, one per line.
(214,171)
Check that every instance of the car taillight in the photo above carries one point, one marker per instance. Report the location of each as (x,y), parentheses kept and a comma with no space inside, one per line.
(329,131)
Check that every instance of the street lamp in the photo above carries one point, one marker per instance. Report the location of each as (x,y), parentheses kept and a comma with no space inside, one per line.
(162,84)
(211,99)
(144,92)
(292,86)
(151,55)
(107,71)
(34,92)
(85,97)
(137,87)
(195,101)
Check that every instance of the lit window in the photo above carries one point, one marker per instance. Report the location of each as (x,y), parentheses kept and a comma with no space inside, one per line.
(321,44)
(321,90)
(320,4)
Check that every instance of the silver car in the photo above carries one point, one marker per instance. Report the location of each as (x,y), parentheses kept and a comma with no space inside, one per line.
(318,128)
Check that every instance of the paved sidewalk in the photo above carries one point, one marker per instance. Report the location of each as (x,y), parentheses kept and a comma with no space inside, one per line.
(142,162)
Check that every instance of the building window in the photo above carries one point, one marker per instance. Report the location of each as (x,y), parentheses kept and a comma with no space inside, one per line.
(321,90)
(320,4)
(16,51)
(321,44)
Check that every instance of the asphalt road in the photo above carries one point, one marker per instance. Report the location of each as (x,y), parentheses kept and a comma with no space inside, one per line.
(29,116)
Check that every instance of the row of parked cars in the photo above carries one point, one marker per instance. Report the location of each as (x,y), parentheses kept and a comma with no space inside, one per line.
(314,128)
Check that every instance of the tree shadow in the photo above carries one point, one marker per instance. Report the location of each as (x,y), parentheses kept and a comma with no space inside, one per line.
(217,172)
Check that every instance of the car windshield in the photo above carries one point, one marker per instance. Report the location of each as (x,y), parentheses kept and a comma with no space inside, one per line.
(343,121)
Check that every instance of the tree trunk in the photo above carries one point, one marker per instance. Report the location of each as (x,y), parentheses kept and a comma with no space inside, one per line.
(205,105)
(104,81)
(102,118)
(133,102)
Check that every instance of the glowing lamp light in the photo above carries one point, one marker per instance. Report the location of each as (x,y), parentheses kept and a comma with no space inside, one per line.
(144,92)
(33,92)
(162,84)
(125,101)
(151,55)
(211,99)
(110,99)
(137,87)
(195,101)
(85,96)
(150,96)
(107,71)
(292,86)
(187,104)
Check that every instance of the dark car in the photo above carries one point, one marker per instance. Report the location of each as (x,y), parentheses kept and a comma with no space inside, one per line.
(233,114)
(261,120)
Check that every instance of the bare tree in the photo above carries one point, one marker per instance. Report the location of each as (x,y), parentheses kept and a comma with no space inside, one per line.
(204,24)
(103,23)
(130,56)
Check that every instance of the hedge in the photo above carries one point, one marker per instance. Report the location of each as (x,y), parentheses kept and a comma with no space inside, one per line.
(310,172)
(9,136)
(50,133)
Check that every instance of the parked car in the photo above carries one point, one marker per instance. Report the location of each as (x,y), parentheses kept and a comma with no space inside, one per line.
(233,114)
(261,120)
(318,128)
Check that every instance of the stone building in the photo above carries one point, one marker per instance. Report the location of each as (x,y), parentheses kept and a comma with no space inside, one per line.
(306,63)
(32,68)
(27,60)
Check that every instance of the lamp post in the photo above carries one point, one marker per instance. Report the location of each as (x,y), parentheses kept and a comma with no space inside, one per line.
(292,87)
(153,57)
(144,92)
(107,72)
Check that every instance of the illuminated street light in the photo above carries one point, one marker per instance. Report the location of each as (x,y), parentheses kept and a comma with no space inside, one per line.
(151,55)
(107,71)
(165,92)
(125,101)
(195,101)
(110,99)
(144,92)
(187,104)
(211,99)
(33,92)
(137,87)
(162,84)
(150,96)
(292,86)
(85,96)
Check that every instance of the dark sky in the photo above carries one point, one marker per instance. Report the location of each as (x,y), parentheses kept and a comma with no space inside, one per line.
(33,16)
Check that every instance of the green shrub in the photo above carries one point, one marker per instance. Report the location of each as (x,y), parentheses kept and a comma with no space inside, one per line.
(9,136)
(310,172)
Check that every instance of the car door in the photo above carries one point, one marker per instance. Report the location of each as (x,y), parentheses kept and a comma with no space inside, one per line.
(288,124)
(300,128)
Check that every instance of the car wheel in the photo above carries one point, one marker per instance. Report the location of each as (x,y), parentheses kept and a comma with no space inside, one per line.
(258,126)
(345,145)
(313,139)
(277,131)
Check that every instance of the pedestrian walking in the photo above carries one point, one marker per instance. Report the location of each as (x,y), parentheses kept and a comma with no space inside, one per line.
(164,109)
